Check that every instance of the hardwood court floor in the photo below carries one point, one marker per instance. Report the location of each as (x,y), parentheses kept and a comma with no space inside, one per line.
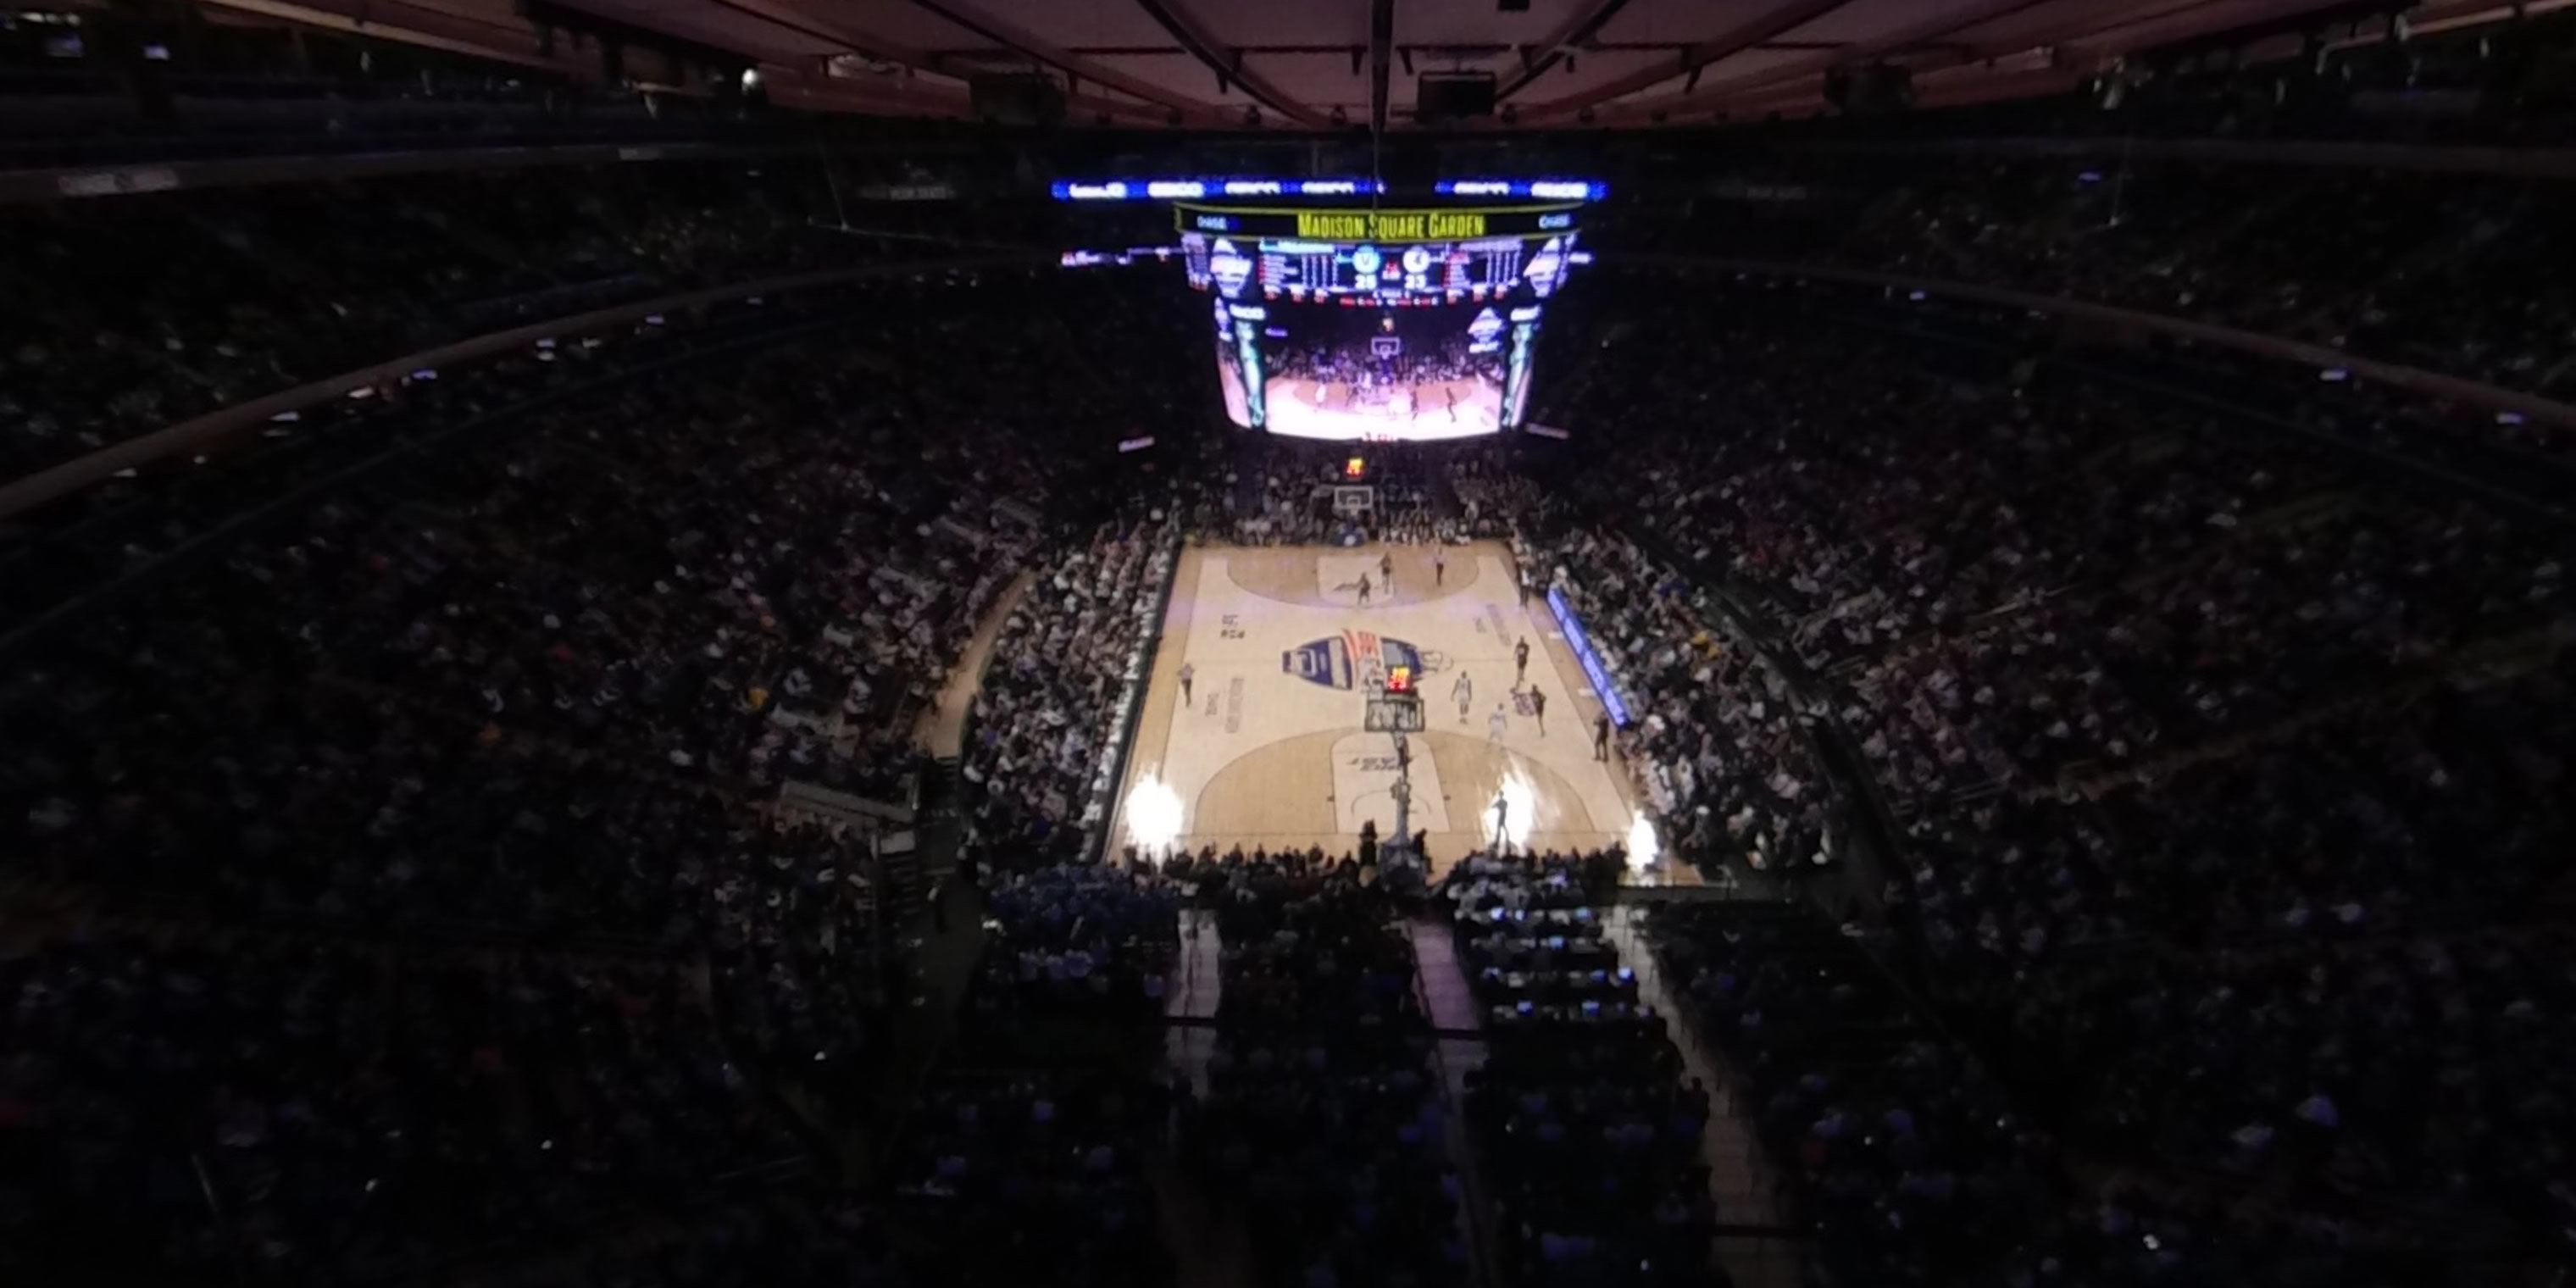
(1268,749)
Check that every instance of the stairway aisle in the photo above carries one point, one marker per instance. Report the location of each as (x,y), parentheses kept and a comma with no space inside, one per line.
(1199,983)
(1459,1051)
(1740,1178)
(1210,1246)
(942,727)
(1444,986)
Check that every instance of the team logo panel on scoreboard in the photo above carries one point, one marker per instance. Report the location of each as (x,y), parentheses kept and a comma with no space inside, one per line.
(1354,659)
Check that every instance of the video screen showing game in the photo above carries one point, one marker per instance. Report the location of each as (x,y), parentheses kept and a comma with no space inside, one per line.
(1403,374)
(1417,358)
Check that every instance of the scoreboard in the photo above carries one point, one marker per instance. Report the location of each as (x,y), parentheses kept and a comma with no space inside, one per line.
(1394,257)
(1341,319)
(1463,270)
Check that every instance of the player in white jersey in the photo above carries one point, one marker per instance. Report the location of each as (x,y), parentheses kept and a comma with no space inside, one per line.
(1497,724)
(1464,691)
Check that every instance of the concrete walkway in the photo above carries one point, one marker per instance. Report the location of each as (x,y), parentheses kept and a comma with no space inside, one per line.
(942,727)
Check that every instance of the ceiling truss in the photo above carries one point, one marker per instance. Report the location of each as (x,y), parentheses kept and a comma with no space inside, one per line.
(1230,64)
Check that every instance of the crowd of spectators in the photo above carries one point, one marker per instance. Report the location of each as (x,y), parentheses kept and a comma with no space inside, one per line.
(2225,772)
(2206,751)
(1065,671)
(2443,809)
(1026,1156)
(1038,1169)
(321,1112)
(1587,1133)
(793,1235)
(1281,493)
(1717,740)
(2426,268)
(536,693)
(145,311)
(1912,1163)
(1084,950)
(496,652)
(2412,1081)
(1906,1162)
(1371,374)
(2020,580)
(1323,1121)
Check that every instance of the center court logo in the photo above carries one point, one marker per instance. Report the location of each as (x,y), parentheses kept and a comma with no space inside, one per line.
(1355,659)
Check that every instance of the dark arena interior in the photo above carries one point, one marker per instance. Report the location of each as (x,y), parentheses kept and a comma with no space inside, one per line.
(1214,644)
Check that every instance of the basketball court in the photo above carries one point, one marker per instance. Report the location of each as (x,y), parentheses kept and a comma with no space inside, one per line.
(1266,748)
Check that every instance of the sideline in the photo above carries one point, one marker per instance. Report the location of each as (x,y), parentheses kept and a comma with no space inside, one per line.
(1153,735)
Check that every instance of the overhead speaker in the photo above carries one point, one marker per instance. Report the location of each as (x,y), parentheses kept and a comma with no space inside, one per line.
(1453,96)
(1875,90)
(1015,98)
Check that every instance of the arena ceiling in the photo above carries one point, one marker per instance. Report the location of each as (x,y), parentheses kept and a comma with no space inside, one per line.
(1329,64)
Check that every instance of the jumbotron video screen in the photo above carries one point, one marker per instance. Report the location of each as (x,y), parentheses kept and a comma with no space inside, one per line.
(1355,338)
(1314,371)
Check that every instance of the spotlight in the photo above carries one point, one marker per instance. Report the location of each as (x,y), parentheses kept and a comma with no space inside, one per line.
(1154,814)
(1644,847)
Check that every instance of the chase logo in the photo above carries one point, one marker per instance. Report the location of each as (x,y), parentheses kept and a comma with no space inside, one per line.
(1354,659)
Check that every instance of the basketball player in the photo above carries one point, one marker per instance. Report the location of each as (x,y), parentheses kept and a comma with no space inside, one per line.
(1364,590)
(1601,737)
(1386,570)
(1439,567)
(1188,673)
(1497,724)
(1520,651)
(1538,708)
(1465,693)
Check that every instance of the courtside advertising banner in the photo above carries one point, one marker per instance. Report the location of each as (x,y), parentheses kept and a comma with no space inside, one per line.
(1587,657)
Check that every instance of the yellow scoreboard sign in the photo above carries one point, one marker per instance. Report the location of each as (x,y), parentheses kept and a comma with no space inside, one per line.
(1390,225)
(1384,227)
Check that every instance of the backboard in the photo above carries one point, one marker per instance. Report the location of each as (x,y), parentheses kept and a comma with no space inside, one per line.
(1393,713)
